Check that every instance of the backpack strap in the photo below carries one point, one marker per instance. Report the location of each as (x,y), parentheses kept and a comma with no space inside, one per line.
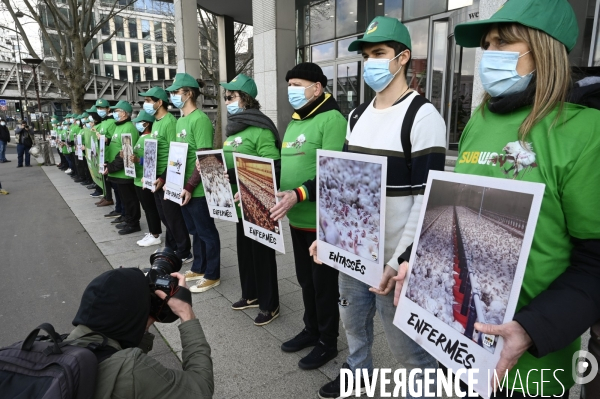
(47,327)
(358,111)
(407,124)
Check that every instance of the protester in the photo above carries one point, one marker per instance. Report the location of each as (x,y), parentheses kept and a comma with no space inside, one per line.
(92,146)
(74,129)
(25,141)
(526,75)
(83,170)
(177,238)
(65,147)
(316,124)
(57,124)
(4,140)
(195,129)
(143,124)
(251,132)
(115,169)
(107,128)
(117,304)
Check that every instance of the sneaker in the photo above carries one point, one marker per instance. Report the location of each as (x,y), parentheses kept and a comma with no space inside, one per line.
(142,240)
(245,304)
(320,355)
(189,258)
(68,171)
(265,317)
(112,214)
(128,229)
(191,276)
(300,341)
(3,191)
(96,194)
(332,389)
(118,220)
(204,285)
(121,225)
(149,241)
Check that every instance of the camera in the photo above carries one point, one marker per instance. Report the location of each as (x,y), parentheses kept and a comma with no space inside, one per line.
(163,262)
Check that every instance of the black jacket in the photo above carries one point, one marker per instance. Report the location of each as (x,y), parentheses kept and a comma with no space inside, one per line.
(4,134)
(22,135)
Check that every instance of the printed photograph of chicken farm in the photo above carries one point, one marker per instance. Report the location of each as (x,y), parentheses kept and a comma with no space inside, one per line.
(216,186)
(350,205)
(257,192)
(467,255)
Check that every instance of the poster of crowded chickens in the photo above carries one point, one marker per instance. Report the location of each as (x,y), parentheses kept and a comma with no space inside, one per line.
(256,185)
(351,213)
(467,264)
(217,189)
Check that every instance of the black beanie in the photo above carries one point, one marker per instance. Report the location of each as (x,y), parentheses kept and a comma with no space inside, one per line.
(117,304)
(307,71)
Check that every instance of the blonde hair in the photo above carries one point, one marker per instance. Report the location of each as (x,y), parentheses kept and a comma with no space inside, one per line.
(552,72)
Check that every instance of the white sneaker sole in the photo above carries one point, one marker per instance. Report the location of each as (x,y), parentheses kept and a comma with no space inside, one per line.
(196,290)
(150,243)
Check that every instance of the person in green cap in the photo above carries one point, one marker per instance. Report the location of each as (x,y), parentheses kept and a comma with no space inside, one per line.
(195,128)
(115,169)
(405,128)
(85,179)
(251,132)
(143,124)
(73,129)
(156,101)
(524,129)
(107,127)
(91,155)
(62,144)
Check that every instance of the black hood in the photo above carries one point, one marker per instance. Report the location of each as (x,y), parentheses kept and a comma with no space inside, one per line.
(117,304)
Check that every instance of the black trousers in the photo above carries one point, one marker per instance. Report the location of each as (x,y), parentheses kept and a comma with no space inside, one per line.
(82,168)
(107,188)
(146,198)
(177,237)
(258,271)
(130,203)
(73,163)
(320,291)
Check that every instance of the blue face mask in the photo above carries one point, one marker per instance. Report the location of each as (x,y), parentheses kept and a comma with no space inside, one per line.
(377,73)
(176,100)
(149,108)
(234,108)
(88,125)
(90,119)
(115,116)
(296,96)
(101,113)
(140,127)
(498,73)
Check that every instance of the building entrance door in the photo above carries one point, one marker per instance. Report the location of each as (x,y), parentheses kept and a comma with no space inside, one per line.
(344,82)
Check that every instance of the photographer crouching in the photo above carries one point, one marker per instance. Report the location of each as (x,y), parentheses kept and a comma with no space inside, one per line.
(122,304)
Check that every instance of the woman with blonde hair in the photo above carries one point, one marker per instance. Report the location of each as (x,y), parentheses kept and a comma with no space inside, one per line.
(534,134)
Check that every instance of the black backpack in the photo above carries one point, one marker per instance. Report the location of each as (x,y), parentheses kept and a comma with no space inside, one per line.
(50,368)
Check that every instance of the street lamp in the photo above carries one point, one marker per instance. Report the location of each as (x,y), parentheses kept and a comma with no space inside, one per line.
(19,14)
(34,63)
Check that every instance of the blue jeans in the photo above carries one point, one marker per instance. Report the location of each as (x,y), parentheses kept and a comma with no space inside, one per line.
(22,149)
(357,310)
(206,243)
(3,150)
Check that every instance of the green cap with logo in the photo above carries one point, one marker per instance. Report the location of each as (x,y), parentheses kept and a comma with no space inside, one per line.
(242,83)
(93,109)
(183,80)
(124,105)
(143,116)
(102,103)
(157,92)
(85,115)
(553,17)
(383,29)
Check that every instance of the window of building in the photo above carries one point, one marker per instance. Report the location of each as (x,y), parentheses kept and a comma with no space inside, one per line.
(454,4)
(119,28)
(105,26)
(148,53)
(160,55)
(137,75)
(145,29)
(418,8)
(121,55)
(158,33)
(392,8)
(132,26)
(107,50)
(89,47)
(97,69)
(322,20)
(170,32)
(172,73)
(135,51)
(347,17)
(46,16)
(55,41)
(342,46)
(323,52)
(161,73)
(109,71)
(123,72)
(148,73)
(417,71)
(171,55)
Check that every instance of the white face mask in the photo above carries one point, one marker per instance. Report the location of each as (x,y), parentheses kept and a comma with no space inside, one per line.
(2,123)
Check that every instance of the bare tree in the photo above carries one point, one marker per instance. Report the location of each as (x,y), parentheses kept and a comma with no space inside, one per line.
(71,39)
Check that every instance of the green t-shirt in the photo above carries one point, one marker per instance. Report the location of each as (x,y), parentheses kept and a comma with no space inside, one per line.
(302,139)
(107,127)
(250,141)
(565,158)
(74,129)
(116,145)
(64,137)
(196,130)
(138,151)
(163,131)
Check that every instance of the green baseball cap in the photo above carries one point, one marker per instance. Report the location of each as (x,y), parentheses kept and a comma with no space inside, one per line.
(183,80)
(68,115)
(157,92)
(93,109)
(124,105)
(383,29)
(143,116)
(102,103)
(85,115)
(553,17)
(242,83)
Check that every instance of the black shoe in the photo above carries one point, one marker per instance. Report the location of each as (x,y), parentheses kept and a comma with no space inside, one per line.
(130,229)
(6,160)
(266,316)
(78,180)
(320,355)
(87,183)
(91,186)
(19,166)
(299,342)
(112,214)
(121,225)
(332,389)
(96,194)
(118,220)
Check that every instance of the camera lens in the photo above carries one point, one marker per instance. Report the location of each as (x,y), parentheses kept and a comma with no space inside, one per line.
(165,261)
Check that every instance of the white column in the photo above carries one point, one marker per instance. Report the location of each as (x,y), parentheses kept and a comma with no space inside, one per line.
(187,37)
